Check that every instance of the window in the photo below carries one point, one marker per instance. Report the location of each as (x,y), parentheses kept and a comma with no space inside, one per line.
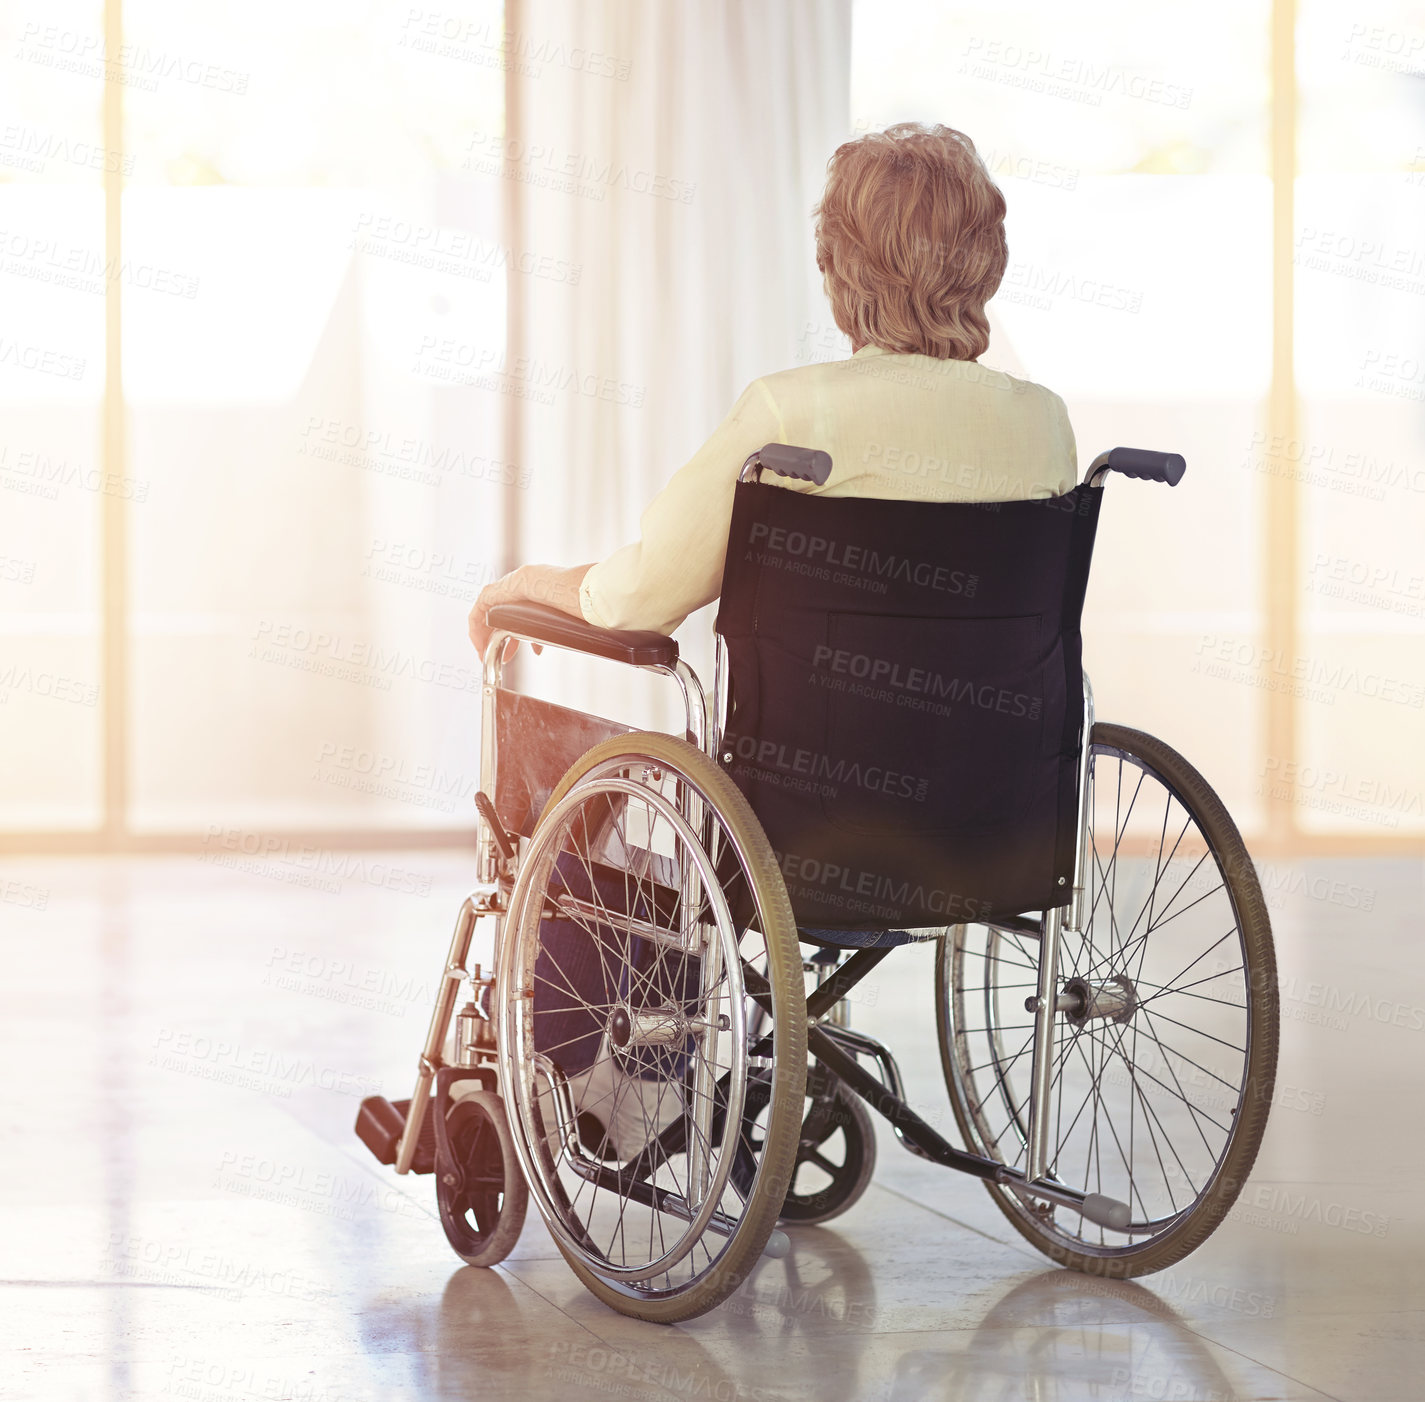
(310,276)
(1267,620)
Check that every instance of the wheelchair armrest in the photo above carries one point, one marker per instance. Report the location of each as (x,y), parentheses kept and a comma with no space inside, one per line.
(542,624)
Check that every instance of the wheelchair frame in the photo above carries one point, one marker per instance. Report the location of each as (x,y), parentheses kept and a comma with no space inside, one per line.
(834,1045)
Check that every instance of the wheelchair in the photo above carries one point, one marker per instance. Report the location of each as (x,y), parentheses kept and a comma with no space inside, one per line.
(900,745)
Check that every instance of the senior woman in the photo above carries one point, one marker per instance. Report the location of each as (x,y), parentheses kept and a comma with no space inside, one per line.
(911,245)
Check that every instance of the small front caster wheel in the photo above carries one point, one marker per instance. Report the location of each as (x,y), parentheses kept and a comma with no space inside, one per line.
(478,1185)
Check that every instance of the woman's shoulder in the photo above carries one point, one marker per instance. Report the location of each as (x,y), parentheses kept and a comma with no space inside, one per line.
(924,372)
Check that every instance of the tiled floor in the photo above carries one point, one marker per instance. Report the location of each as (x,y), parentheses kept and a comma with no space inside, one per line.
(185,1213)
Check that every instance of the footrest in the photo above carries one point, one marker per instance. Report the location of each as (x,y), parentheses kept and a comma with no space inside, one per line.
(380,1124)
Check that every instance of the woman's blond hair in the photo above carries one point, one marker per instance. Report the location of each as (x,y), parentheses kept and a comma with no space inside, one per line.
(910,239)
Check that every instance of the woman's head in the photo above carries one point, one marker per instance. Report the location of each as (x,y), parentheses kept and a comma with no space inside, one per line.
(910,239)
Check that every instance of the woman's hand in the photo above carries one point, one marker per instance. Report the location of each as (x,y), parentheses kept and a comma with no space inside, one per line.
(540,584)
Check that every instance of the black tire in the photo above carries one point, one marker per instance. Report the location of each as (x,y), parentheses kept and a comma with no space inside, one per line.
(480,1192)
(838,1142)
(1240,1111)
(836,1153)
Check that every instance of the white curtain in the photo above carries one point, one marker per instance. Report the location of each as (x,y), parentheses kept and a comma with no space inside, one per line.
(666,155)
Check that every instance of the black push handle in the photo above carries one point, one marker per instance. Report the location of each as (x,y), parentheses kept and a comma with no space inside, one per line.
(1145,463)
(805,464)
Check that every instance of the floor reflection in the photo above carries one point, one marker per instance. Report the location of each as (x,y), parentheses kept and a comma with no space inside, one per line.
(808,1326)
(139,1266)
(1062,1335)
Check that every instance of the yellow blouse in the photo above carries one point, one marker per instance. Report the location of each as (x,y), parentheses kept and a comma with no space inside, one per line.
(905,427)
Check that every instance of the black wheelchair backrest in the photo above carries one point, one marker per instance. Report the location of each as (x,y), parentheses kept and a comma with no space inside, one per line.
(906,695)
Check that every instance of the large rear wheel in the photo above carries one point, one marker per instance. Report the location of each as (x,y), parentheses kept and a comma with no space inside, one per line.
(1165,1046)
(648,926)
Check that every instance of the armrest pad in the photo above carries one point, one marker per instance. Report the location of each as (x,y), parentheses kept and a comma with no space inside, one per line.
(542,624)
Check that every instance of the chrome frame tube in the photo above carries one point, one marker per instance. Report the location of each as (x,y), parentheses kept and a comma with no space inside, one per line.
(721,690)
(430,1059)
(1046,1017)
(1075,918)
(625,924)
(704,1073)
(860,1043)
(564,1114)
(488,859)
(695,703)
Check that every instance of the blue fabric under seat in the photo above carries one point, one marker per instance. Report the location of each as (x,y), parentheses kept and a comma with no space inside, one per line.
(584,969)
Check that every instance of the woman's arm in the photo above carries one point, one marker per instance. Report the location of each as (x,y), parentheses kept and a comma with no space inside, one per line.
(676,564)
(540,584)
